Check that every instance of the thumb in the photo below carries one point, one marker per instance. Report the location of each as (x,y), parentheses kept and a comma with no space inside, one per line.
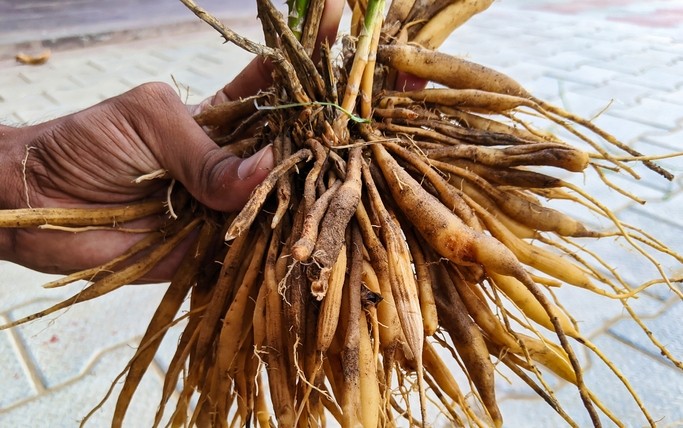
(225,182)
(216,177)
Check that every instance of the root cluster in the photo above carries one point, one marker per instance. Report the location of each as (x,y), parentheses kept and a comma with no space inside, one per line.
(401,237)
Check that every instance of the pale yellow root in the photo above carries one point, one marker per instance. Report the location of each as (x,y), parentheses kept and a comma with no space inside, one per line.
(437,29)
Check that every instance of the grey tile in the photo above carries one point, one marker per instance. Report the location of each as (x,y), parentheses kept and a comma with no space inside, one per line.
(665,331)
(14,372)
(662,114)
(63,345)
(651,380)
(20,286)
(69,403)
(621,93)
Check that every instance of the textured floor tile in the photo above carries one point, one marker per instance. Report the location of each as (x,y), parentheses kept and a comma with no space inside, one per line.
(667,332)
(587,74)
(662,218)
(661,77)
(654,112)
(63,345)
(672,140)
(576,98)
(620,93)
(564,60)
(66,405)
(19,286)
(623,128)
(651,380)
(15,380)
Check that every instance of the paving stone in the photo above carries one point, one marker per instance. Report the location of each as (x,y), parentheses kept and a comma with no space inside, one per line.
(546,88)
(586,74)
(653,112)
(13,80)
(31,116)
(674,47)
(634,42)
(14,86)
(517,410)
(624,129)
(568,61)
(620,93)
(19,285)
(196,84)
(659,79)
(657,381)
(509,386)
(668,211)
(631,266)
(575,101)
(591,311)
(63,345)
(522,71)
(651,379)
(89,78)
(612,34)
(32,101)
(674,97)
(67,404)
(671,140)
(598,52)
(673,164)
(663,212)
(133,73)
(12,370)
(76,99)
(664,227)
(663,292)
(608,196)
(649,187)
(634,64)
(667,332)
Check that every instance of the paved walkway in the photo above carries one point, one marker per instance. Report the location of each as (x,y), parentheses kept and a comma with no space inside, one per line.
(53,371)
(32,25)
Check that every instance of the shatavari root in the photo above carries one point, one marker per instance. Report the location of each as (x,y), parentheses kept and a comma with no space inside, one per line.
(402,236)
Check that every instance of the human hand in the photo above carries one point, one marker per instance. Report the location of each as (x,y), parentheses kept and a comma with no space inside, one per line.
(92,158)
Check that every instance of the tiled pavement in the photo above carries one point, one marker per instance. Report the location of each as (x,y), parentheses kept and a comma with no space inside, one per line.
(37,24)
(623,55)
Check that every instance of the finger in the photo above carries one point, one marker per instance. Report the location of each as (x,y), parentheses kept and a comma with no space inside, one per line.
(257,75)
(65,252)
(218,179)
(408,82)
(215,177)
(329,23)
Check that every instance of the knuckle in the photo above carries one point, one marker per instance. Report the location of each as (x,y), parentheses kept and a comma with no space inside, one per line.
(154,90)
(148,95)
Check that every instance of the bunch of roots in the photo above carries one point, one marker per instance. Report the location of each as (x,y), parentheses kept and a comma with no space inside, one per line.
(401,238)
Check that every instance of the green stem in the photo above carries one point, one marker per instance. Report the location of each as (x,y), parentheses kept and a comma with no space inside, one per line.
(298,10)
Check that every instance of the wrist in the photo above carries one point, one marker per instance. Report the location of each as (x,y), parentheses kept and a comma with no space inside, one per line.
(11,144)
